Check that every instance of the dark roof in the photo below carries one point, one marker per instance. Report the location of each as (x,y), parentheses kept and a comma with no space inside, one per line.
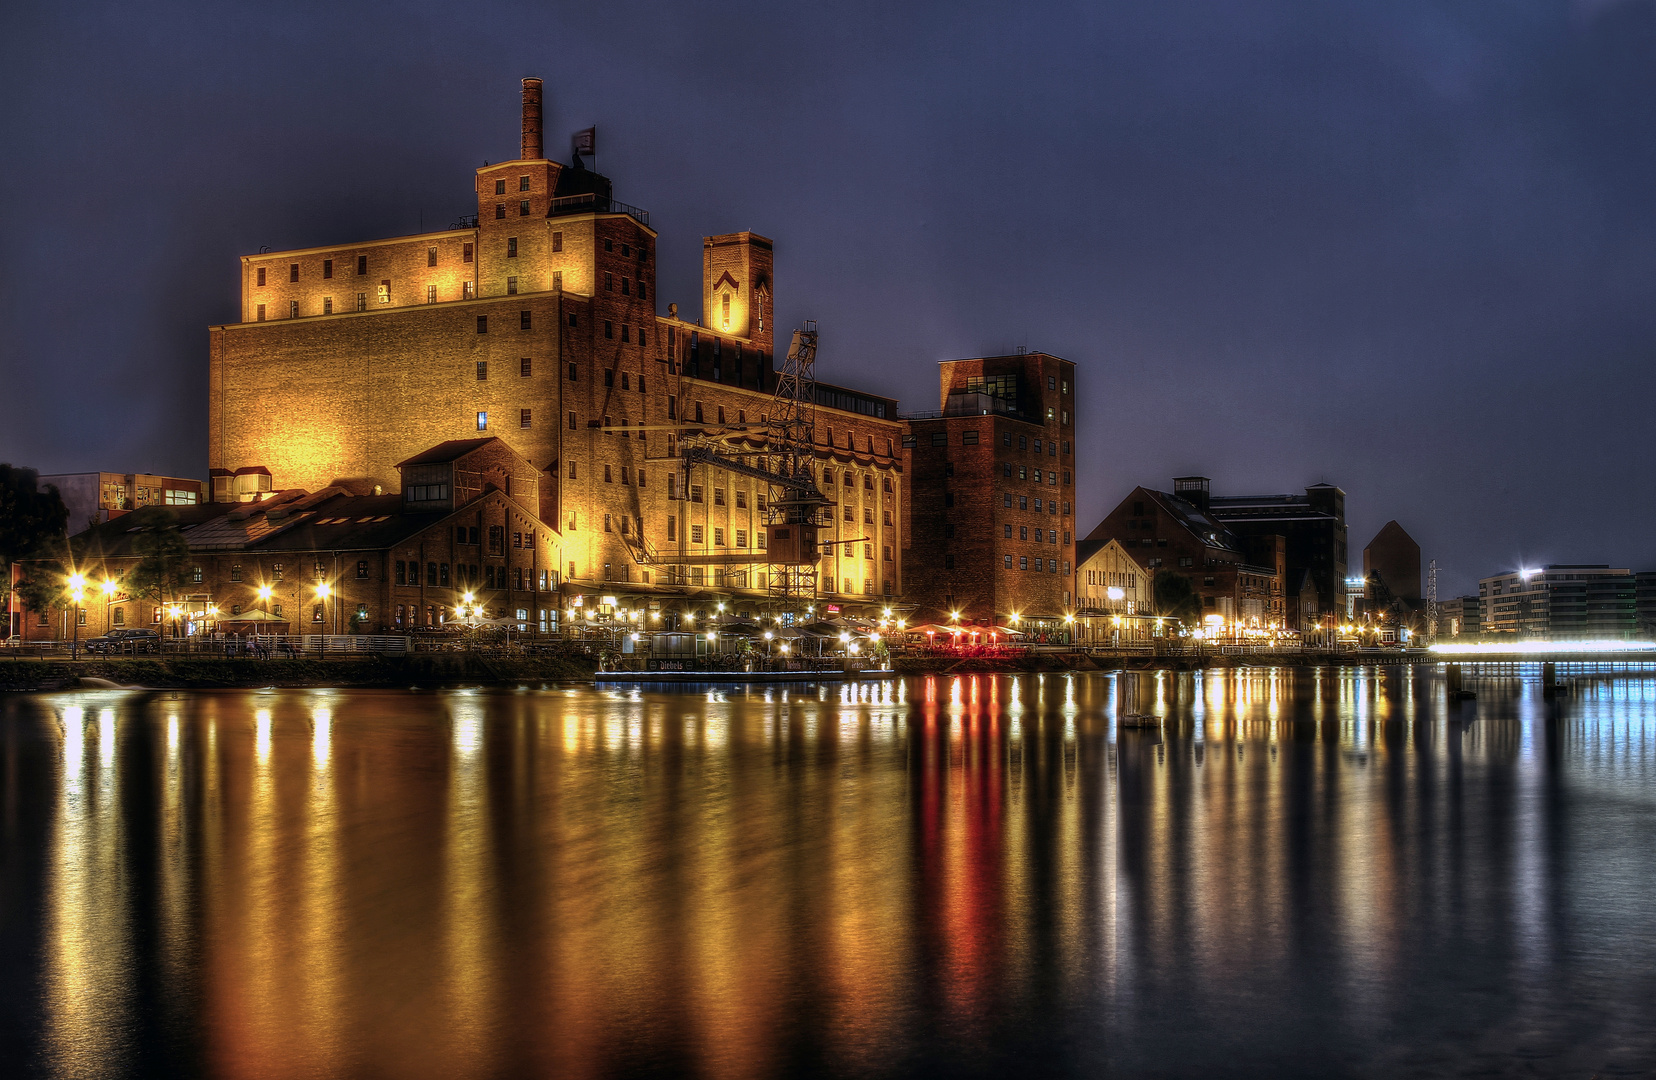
(446,451)
(1086,549)
(1206,528)
(351,523)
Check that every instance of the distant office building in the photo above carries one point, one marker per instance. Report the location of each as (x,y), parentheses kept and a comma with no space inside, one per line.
(1560,602)
(1458,617)
(1394,555)
(96,497)
(1313,525)
(1644,598)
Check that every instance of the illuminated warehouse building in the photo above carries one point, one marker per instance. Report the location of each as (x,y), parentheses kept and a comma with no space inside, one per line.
(536,323)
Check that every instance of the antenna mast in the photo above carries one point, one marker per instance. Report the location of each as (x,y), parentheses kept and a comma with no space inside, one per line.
(1431,602)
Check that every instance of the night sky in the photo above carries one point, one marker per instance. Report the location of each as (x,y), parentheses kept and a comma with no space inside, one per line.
(1404,248)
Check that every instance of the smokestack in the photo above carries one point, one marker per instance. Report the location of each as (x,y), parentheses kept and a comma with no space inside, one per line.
(532,120)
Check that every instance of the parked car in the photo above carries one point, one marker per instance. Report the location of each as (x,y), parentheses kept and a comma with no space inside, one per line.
(134,640)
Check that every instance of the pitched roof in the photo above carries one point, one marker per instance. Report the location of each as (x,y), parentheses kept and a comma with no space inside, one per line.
(447,451)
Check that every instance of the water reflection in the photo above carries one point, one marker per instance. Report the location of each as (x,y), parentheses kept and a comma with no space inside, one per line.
(1313,871)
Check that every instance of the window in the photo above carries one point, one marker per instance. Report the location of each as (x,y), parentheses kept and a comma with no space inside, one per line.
(523,183)
(718,496)
(624,335)
(431,294)
(500,210)
(609,330)
(557,241)
(482,421)
(523,418)
(523,208)
(718,537)
(572,319)
(968,438)
(500,187)
(482,324)
(261,313)
(609,282)
(511,286)
(741,499)
(572,423)
(525,366)
(695,493)
(235,572)
(940,438)
(511,247)
(1006,468)
(526,320)
(465,253)
(362,569)
(261,273)
(672,527)
(362,265)
(695,534)
(468,290)
(195,574)
(482,371)
(607,524)
(293,272)
(741,538)
(609,245)
(293,309)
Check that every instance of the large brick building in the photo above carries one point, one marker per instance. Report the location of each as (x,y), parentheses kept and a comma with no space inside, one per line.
(991,495)
(536,323)
(1239,580)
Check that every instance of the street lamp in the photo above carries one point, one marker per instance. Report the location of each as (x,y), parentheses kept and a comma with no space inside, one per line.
(77,587)
(322,593)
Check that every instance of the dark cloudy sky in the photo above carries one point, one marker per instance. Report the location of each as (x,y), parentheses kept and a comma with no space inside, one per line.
(1407,248)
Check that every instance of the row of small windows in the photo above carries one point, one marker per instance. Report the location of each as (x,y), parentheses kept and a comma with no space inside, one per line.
(500,185)
(626,286)
(970,438)
(1042,566)
(467,254)
(1025,473)
(526,321)
(439,575)
(1042,536)
(626,334)
(525,419)
(526,368)
(1023,503)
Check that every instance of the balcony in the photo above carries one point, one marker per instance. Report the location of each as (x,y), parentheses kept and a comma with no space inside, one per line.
(593,203)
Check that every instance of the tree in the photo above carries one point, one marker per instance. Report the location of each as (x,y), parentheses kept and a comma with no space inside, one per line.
(32,526)
(163,555)
(1176,597)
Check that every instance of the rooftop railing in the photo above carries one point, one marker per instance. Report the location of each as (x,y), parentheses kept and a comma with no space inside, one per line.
(593,203)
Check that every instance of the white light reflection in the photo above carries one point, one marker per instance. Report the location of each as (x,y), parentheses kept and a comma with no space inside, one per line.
(261,734)
(321,735)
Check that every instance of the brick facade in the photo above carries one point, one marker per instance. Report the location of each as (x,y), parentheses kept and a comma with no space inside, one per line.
(993,482)
(537,323)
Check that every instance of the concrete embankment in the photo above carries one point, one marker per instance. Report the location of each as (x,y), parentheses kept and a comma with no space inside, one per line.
(205,672)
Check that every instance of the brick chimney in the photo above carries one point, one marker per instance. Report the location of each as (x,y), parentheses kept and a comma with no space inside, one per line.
(532,120)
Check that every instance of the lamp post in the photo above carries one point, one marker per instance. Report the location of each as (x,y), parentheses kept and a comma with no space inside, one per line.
(322,593)
(77,590)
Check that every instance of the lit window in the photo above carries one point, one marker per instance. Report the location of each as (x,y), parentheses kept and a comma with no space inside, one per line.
(482,421)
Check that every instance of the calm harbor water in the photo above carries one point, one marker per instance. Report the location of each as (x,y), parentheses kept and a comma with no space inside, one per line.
(1305,874)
